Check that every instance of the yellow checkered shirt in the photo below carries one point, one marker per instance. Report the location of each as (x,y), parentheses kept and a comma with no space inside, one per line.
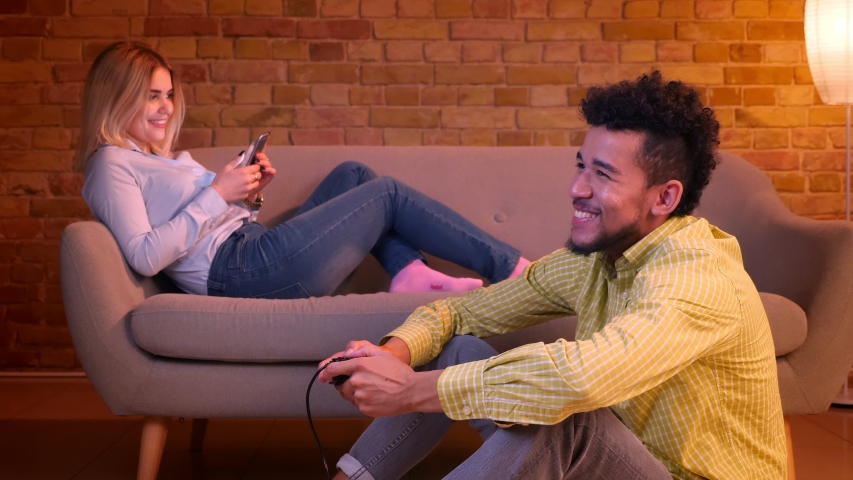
(672,337)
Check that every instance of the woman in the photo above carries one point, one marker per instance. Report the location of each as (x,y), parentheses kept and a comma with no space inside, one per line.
(171,214)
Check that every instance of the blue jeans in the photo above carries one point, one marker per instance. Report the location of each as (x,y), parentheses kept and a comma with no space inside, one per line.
(350,214)
(587,445)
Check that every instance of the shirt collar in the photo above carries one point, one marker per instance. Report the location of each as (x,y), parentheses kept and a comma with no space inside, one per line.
(132,145)
(638,254)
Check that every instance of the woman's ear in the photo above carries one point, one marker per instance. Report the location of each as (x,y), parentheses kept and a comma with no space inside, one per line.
(667,198)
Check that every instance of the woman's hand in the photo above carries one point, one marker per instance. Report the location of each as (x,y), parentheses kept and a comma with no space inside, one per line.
(235,184)
(267,173)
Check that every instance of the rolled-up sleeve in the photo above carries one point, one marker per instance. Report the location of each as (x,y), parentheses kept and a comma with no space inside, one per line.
(527,300)
(654,338)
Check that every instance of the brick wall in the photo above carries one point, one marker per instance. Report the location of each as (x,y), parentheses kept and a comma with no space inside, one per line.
(384,72)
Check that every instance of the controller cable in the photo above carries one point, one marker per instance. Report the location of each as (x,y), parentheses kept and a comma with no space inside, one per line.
(337,381)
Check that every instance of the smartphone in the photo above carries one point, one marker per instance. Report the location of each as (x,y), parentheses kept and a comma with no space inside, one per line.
(256,146)
(259,145)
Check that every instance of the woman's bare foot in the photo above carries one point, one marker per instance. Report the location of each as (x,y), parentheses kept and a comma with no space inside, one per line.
(417,277)
(519,267)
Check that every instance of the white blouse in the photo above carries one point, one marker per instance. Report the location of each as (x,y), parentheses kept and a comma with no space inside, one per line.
(162,212)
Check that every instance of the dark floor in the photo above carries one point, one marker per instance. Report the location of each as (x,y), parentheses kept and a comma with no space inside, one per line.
(59,429)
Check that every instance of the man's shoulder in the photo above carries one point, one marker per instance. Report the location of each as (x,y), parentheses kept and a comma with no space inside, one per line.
(698,247)
(566,258)
(700,235)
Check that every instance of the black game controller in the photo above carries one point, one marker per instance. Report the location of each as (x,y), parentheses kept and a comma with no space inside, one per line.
(339,379)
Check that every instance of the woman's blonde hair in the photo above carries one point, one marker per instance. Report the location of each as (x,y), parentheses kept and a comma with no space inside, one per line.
(116,91)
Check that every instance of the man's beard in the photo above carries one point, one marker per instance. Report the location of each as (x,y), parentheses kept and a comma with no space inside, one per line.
(604,241)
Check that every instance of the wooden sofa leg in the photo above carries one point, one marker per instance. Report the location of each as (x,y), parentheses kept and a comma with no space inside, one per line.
(791,473)
(199,429)
(154,430)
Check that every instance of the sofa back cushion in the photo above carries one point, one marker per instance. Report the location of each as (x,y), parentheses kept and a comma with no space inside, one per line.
(519,195)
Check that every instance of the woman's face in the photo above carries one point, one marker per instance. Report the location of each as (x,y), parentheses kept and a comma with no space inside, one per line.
(149,126)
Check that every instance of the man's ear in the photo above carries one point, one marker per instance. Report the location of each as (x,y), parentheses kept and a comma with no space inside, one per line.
(667,197)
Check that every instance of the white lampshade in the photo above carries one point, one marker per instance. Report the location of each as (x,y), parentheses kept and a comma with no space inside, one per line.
(829,46)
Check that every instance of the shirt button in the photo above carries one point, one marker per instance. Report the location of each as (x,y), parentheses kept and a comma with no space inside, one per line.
(624,294)
(488,410)
(466,410)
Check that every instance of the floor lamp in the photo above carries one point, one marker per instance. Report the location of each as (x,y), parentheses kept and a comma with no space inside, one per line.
(845,396)
(829,46)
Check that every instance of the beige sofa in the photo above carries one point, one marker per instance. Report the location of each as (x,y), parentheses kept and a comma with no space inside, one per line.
(150,351)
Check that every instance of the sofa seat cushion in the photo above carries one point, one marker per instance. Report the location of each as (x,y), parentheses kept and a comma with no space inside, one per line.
(196,327)
(259,330)
(787,322)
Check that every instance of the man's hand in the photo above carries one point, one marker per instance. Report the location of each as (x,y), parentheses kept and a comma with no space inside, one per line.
(356,349)
(383,386)
(362,348)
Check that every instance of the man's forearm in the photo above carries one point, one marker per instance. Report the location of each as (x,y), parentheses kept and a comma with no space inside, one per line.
(399,348)
(424,388)
(423,395)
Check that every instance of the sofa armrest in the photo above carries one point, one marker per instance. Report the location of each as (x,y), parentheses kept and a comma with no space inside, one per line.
(811,263)
(807,261)
(99,291)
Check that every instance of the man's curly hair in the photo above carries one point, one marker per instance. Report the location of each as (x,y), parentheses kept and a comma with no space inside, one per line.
(681,134)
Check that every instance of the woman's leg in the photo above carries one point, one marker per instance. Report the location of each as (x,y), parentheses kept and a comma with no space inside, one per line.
(390,248)
(320,247)
(344,178)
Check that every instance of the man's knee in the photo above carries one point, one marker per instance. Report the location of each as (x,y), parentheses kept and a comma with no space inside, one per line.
(464,349)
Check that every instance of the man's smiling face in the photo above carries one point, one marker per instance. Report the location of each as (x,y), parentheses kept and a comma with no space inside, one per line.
(609,193)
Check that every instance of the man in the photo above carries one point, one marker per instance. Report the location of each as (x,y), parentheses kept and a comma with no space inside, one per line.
(672,373)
